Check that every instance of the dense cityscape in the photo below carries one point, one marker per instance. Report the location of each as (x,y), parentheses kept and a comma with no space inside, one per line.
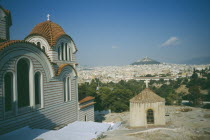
(137,72)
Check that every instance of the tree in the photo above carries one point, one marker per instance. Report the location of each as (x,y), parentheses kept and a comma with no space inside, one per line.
(194,76)
(82,89)
(161,81)
(208,96)
(195,96)
(149,75)
(174,99)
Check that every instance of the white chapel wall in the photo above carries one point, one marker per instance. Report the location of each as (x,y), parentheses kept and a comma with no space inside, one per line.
(138,112)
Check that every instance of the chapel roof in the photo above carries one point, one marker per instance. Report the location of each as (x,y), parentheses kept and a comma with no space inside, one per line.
(84,106)
(86,99)
(49,30)
(147,96)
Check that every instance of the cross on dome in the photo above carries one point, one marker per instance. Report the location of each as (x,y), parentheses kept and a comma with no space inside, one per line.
(48,17)
(146,82)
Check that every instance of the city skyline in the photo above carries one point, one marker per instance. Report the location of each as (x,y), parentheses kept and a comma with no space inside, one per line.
(121,32)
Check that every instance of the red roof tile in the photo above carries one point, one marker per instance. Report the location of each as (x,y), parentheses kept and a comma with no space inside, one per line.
(88,98)
(49,30)
(81,107)
(147,96)
(62,66)
(9,42)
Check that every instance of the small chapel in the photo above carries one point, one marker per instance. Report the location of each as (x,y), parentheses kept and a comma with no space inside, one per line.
(38,78)
(147,109)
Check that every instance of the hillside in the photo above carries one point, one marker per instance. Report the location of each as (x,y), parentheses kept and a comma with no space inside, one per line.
(145,61)
(182,123)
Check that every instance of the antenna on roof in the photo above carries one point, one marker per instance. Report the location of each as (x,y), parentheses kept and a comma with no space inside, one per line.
(48,17)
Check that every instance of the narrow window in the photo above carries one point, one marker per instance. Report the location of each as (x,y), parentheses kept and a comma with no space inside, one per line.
(66,51)
(8,89)
(62,51)
(150,116)
(59,53)
(37,79)
(69,88)
(38,44)
(64,90)
(23,82)
(85,118)
(69,54)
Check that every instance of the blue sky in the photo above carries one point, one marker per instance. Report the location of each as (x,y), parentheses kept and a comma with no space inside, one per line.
(119,32)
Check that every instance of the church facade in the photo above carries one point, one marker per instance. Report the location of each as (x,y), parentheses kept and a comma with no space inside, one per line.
(38,77)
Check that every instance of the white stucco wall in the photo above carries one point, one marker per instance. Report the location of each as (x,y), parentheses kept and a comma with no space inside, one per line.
(138,113)
(88,112)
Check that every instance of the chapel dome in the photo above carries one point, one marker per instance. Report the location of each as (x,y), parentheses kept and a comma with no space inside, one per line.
(49,30)
(147,96)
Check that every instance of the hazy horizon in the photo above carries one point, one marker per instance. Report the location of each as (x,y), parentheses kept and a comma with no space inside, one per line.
(120,32)
(190,62)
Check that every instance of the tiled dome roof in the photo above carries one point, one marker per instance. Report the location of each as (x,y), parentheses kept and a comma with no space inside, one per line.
(49,30)
(147,96)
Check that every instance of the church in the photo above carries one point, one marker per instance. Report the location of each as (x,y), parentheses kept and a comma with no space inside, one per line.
(38,78)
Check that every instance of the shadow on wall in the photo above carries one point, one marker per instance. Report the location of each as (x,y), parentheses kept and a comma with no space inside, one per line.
(25,123)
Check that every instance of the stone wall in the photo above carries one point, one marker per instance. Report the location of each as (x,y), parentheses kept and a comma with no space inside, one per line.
(138,113)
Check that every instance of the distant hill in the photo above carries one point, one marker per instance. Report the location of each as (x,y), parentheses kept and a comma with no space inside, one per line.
(145,61)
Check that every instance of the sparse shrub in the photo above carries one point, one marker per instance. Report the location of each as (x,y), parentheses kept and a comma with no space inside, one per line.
(206,116)
(185,109)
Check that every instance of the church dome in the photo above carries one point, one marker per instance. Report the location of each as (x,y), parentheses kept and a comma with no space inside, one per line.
(49,30)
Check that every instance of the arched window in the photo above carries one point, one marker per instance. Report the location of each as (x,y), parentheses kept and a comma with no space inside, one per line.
(69,54)
(23,82)
(37,81)
(150,116)
(8,90)
(64,90)
(62,51)
(69,88)
(66,50)
(59,55)
(38,44)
